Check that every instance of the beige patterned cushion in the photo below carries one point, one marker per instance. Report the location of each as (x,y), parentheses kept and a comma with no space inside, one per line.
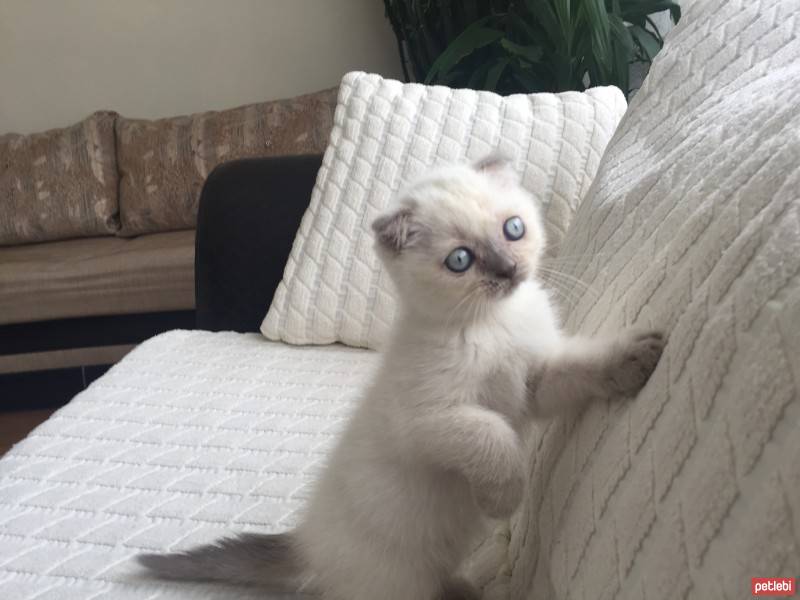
(164,163)
(59,184)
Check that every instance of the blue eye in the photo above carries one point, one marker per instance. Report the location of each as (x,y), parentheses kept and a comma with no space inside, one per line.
(459,260)
(514,229)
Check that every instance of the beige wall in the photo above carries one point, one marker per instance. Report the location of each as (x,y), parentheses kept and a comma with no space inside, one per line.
(62,59)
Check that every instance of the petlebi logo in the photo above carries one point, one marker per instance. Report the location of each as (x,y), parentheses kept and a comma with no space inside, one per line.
(772,586)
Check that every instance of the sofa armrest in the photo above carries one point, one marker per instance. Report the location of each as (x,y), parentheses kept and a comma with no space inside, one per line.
(249,213)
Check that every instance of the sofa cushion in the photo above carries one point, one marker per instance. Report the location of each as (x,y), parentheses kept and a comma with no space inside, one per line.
(192,436)
(692,226)
(164,163)
(59,184)
(97,276)
(385,132)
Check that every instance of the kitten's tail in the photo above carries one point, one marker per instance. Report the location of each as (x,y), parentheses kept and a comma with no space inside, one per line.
(263,559)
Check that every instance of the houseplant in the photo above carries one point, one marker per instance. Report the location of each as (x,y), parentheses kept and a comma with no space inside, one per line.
(511,46)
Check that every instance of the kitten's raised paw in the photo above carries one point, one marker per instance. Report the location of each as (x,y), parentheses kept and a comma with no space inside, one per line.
(634,359)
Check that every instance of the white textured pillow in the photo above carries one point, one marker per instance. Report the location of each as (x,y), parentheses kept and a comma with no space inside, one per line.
(692,225)
(384,133)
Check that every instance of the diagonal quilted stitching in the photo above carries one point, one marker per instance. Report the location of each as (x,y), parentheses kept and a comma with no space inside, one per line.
(692,224)
(176,445)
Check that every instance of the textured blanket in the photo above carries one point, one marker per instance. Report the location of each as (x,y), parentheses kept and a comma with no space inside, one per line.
(692,225)
(193,435)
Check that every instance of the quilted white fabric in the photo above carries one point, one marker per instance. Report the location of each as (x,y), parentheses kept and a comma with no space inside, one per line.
(692,225)
(192,435)
(384,133)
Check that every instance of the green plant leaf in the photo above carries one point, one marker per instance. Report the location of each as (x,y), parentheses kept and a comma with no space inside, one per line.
(600,29)
(543,12)
(564,12)
(526,31)
(635,10)
(473,37)
(528,81)
(494,74)
(623,54)
(526,45)
(621,34)
(529,53)
(478,77)
(646,40)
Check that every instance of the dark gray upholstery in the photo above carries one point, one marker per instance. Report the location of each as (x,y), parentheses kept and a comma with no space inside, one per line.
(249,213)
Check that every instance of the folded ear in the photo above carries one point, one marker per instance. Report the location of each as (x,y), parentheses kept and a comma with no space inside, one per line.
(498,166)
(396,230)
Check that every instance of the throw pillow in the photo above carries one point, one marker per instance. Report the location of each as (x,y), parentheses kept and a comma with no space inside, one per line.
(384,133)
(59,184)
(164,163)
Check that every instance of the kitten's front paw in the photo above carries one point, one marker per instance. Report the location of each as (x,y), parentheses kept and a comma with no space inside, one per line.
(634,359)
(499,500)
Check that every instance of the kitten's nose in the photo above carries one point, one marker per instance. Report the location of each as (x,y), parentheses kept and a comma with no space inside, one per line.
(508,270)
(503,266)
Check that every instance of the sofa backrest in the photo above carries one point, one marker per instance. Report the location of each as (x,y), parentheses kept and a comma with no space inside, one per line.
(691,226)
(163,163)
(111,175)
(249,213)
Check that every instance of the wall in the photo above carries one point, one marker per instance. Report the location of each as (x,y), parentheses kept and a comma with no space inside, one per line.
(61,60)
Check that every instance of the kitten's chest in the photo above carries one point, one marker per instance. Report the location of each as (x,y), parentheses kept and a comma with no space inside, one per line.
(503,390)
(500,364)
(492,373)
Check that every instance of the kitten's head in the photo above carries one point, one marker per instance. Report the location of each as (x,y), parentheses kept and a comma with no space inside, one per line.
(460,239)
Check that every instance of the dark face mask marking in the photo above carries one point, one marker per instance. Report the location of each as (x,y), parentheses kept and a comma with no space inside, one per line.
(497,262)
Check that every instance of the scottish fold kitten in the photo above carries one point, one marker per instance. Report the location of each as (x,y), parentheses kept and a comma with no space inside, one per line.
(434,448)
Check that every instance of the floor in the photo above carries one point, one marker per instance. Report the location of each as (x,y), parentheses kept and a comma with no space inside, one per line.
(15,425)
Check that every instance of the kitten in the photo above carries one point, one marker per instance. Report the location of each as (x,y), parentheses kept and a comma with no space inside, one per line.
(434,447)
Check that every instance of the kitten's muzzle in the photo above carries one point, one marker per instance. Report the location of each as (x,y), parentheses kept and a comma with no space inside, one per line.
(501,265)
(503,285)
(503,271)
(508,271)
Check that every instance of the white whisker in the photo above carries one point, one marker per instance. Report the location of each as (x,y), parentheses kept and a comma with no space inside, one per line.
(571,279)
(471,293)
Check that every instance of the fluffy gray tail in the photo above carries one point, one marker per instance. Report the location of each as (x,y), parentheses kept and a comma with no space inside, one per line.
(263,559)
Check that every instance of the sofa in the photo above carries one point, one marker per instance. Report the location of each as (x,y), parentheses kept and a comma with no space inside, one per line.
(691,222)
(97,236)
